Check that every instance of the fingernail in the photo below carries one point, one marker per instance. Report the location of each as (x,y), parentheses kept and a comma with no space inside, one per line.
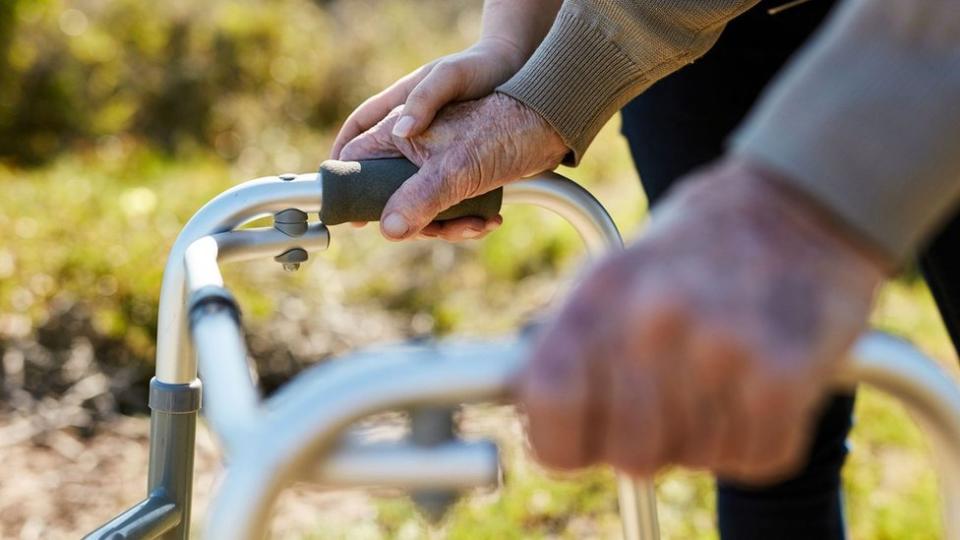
(471,233)
(404,126)
(395,226)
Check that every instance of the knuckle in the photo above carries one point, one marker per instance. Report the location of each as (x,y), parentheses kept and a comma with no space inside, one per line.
(449,68)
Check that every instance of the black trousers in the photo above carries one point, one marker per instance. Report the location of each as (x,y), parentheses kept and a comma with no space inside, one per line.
(682,123)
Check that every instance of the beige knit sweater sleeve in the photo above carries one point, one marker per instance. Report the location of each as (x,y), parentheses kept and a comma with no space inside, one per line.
(599,54)
(866,119)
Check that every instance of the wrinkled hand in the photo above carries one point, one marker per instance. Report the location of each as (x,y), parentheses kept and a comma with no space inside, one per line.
(709,342)
(468,74)
(469,149)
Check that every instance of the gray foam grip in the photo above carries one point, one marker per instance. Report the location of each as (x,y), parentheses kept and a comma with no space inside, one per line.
(358,191)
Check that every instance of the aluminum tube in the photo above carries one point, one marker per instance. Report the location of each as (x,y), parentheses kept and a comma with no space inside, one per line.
(266,195)
(932,398)
(572,202)
(267,242)
(369,382)
(200,265)
(336,395)
(638,508)
(453,465)
(149,518)
(637,497)
(230,209)
(231,400)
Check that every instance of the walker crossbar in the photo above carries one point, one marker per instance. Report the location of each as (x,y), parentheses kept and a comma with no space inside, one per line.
(304,430)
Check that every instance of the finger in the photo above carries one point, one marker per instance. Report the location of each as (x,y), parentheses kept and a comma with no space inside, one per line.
(554,396)
(445,83)
(436,229)
(645,410)
(768,438)
(716,363)
(734,440)
(555,392)
(780,416)
(432,230)
(465,228)
(375,108)
(418,201)
(634,438)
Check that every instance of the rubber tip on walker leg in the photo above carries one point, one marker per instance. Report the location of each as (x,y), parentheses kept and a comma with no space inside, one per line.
(433,505)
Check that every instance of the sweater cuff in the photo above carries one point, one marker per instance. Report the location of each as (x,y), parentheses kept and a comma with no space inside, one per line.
(576,80)
(866,121)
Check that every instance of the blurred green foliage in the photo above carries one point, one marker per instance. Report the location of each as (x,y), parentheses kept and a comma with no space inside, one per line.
(181,75)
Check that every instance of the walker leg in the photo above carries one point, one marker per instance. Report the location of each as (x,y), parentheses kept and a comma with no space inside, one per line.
(638,508)
(165,513)
(173,428)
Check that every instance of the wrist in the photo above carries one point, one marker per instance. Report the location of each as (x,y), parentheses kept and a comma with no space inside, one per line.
(811,213)
(532,125)
(505,48)
(764,199)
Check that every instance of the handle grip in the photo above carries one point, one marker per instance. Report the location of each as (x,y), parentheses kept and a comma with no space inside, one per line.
(359,190)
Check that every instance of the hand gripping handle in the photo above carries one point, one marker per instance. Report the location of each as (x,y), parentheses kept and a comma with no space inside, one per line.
(359,190)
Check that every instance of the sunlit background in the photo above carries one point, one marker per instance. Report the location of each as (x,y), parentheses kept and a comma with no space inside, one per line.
(119,118)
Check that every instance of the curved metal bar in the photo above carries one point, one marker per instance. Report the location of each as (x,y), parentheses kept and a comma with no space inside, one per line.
(252,199)
(387,381)
(233,403)
(148,518)
(372,381)
(599,233)
(897,368)
(338,394)
(451,465)
(230,209)
(569,200)
(572,202)
(250,244)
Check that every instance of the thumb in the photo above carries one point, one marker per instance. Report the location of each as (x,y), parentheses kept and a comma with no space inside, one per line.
(441,86)
(418,201)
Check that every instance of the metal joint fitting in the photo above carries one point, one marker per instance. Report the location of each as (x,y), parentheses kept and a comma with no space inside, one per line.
(291,258)
(175,398)
(211,299)
(291,222)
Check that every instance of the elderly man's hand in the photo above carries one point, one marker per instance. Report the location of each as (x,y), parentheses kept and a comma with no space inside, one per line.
(469,149)
(708,343)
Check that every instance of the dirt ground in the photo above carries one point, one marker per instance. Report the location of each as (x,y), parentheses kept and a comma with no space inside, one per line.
(57,485)
(61,487)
